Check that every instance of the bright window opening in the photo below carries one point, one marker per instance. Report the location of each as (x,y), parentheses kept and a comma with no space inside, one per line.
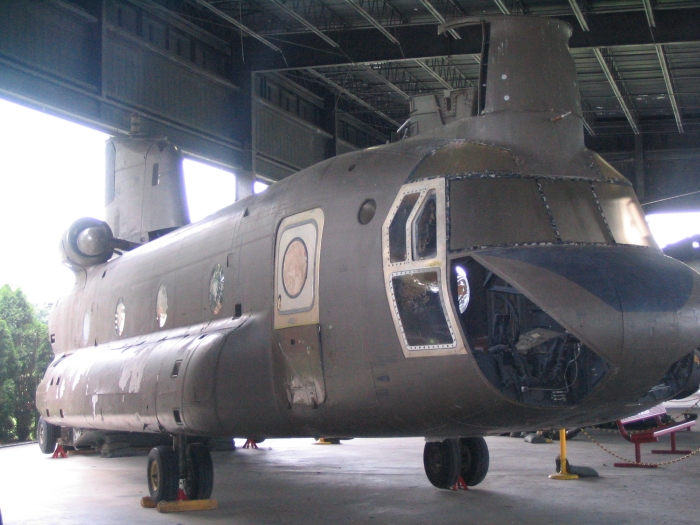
(669,228)
(208,188)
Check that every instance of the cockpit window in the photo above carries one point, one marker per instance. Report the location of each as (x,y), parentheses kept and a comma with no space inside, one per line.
(503,210)
(624,215)
(425,230)
(397,229)
(421,313)
(575,210)
(494,211)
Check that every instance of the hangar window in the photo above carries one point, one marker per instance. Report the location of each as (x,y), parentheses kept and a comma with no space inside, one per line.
(397,229)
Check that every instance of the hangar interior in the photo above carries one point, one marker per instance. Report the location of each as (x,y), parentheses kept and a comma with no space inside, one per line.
(269,87)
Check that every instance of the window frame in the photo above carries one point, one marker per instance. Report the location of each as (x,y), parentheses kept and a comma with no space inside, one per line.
(438,263)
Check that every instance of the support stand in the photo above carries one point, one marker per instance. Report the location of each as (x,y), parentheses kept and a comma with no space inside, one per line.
(460,485)
(250,443)
(59,453)
(563,472)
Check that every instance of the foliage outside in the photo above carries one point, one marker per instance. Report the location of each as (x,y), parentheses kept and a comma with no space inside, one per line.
(25,353)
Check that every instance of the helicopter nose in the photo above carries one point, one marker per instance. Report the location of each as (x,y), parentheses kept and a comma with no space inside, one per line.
(634,306)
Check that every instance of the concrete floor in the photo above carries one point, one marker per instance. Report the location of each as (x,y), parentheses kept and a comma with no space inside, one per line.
(367,481)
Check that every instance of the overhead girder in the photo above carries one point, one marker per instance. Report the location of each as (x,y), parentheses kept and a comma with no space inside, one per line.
(351,95)
(610,69)
(296,16)
(421,41)
(663,62)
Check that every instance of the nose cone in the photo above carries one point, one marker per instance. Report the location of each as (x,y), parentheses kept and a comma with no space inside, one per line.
(633,306)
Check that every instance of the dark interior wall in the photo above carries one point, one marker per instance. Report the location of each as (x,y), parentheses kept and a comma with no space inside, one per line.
(671,167)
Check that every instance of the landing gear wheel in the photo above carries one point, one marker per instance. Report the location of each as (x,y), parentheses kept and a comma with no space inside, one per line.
(47,434)
(163,475)
(199,481)
(441,460)
(475,460)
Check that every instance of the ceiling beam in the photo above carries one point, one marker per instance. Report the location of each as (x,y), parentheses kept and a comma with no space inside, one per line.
(243,29)
(578,14)
(340,89)
(589,116)
(607,64)
(372,21)
(649,11)
(447,70)
(296,16)
(434,74)
(441,19)
(502,6)
(663,61)
(421,42)
(386,82)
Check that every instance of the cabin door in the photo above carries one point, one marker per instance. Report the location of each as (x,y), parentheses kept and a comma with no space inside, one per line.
(299,365)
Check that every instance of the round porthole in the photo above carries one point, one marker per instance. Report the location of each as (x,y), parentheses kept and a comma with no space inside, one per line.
(120,317)
(216,289)
(295,265)
(367,210)
(162,305)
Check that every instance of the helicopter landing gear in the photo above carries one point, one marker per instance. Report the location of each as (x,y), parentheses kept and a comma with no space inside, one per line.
(453,462)
(168,466)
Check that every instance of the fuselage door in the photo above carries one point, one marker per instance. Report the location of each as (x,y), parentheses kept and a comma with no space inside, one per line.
(297,351)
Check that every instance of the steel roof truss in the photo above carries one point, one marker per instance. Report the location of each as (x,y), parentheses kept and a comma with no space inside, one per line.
(607,63)
(242,28)
(340,89)
(291,12)
(578,14)
(663,61)
(365,14)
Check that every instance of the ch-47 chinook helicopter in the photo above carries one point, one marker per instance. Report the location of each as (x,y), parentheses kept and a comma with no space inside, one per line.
(486,272)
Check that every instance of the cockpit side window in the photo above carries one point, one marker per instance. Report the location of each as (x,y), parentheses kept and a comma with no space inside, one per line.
(414,248)
(623,214)
(425,230)
(397,229)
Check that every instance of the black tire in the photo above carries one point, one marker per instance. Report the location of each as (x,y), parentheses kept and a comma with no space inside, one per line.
(475,460)
(162,474)
(46,435)
(441,460)
(199,482)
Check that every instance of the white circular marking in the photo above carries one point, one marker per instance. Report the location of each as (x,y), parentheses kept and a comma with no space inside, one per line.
(504,76)
(507,97)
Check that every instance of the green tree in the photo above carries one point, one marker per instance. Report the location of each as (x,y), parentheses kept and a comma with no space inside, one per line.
(32,354)
(8,370)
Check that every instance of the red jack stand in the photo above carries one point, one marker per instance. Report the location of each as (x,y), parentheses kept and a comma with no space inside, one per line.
(181,496)
(59,453)
(250,443)
(460,485)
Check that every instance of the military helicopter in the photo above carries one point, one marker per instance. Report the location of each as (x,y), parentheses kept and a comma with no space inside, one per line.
(486,272)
